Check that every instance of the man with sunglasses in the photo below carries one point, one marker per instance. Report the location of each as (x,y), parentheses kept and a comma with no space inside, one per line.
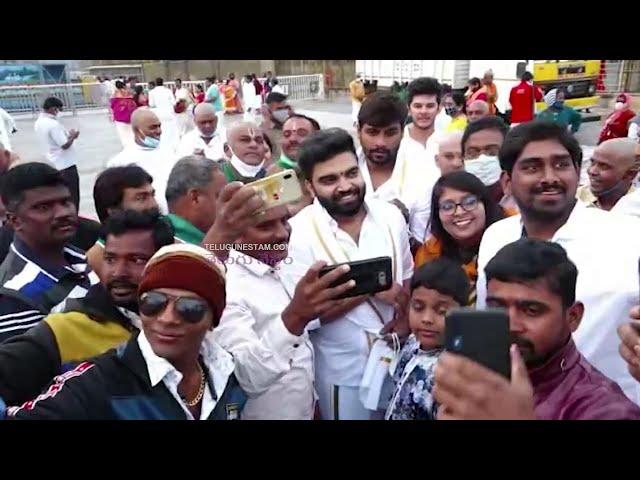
(106,317)
(172,369)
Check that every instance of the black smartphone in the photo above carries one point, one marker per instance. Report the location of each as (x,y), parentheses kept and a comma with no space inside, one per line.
(480,335)
(372,275)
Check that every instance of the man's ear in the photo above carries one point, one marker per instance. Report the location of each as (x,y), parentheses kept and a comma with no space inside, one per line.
(309,188)
(574,315)
(14,221)
(632,172)
(194,195)
(505,182)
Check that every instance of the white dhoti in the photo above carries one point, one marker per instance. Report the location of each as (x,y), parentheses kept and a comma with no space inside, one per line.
(185,122)
(355,109)
(125,133)
(170,130)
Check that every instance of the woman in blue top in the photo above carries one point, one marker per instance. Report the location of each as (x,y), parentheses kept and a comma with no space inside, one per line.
(558,112)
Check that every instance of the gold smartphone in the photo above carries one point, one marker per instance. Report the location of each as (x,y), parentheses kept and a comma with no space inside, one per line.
(279,188)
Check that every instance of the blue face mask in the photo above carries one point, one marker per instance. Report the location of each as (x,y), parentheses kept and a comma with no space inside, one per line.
(151,142)
(558,105)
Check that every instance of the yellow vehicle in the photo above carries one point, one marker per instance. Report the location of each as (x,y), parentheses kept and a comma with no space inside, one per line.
(578,78)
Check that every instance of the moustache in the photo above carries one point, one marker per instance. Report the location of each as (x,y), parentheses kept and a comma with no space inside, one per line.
(121,283)
(549,188)
(339,196)
(66,222)
(522,343)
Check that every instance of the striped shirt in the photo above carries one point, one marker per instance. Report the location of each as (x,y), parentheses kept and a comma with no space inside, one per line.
(31,289)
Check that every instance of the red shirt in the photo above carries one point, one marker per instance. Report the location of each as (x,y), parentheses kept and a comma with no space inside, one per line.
(521,100)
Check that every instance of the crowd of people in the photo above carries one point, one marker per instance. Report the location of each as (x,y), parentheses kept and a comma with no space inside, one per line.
(190,298)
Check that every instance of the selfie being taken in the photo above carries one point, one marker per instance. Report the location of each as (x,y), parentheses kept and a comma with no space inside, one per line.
(320,240)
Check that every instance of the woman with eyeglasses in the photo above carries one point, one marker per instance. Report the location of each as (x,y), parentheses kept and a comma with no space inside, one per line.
(171,370)
(461,210)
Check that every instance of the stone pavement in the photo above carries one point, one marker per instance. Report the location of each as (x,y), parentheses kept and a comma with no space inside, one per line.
(98,140)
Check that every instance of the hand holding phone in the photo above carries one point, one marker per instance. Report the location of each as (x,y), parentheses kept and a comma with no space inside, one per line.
(279,188)
(314,295)
(480,335)
(371,276)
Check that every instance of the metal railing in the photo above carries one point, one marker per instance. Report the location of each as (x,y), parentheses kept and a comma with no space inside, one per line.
(82,96)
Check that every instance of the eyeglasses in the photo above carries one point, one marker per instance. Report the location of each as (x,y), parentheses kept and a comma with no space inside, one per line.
(189,309)
(468,203)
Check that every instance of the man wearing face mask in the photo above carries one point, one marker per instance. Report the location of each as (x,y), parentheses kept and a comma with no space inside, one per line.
(611,173)
(275,112)
(558,112)
(204,140)
(481,143)
(541,163)
(617,124)
(57,143)
(246,148)
(146,153)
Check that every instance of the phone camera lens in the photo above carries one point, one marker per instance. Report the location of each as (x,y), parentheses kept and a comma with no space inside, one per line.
(457,343)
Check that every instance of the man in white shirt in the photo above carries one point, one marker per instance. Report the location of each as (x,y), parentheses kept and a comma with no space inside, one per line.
(162,101)
(342,226)
(246,148)
(388,176)
(420,138)
(268,339)
(276,87)
(541,163)
(145,152)
(611,172)
(57,143)
(204,140)
(183,94)
(7,127)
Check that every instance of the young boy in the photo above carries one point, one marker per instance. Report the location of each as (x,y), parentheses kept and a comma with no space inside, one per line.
(436,288)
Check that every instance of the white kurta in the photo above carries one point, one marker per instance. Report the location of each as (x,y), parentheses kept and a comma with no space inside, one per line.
(162,101)
(273,366)
(411,182)
(192,141)
(157,163)
(604,247)
(342,346)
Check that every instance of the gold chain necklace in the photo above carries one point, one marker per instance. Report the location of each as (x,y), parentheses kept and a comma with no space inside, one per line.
(203,381)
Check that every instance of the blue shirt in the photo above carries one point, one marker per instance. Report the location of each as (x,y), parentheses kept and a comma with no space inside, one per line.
(213,97)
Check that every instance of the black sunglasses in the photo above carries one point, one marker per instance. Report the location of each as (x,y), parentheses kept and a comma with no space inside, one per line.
(189,309)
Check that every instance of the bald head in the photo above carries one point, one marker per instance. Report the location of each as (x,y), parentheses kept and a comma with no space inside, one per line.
(145,123)
(449,157)
(246,141)
(204,116)
(477,110)
(614,165)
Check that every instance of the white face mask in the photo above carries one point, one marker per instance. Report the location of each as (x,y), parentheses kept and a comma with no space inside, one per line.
(486,168)
(243,168)
(281,115)
(618,106)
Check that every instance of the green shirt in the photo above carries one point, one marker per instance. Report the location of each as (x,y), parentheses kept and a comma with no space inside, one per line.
(185,231)
(565,117)
(286,163)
